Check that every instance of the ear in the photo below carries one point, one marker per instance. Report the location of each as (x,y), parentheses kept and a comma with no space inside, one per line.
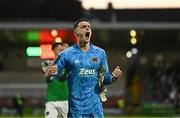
(75,32)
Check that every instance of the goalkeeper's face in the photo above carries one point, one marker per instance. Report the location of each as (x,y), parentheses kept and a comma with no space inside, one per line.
(58,49)
(83,32)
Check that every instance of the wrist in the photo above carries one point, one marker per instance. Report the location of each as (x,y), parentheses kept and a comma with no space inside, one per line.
(46,75)
(113,79)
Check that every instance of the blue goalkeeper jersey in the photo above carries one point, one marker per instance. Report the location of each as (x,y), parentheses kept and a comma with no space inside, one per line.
(83,77)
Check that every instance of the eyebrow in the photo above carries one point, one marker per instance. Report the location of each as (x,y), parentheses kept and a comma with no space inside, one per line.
(86,25)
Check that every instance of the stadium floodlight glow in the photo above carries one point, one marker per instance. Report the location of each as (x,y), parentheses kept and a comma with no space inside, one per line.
(128,54)
(33,51)
(133,41)
(58,39)
(54,33)
(130,4)
(96,4)
(134,50)
(133,33)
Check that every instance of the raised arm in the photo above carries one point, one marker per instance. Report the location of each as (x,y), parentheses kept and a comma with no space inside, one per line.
(57,69)
(109,78)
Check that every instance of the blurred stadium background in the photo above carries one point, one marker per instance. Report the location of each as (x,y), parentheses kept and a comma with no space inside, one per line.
(141,36)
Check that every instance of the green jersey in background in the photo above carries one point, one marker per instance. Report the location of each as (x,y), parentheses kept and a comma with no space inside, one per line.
(57,90)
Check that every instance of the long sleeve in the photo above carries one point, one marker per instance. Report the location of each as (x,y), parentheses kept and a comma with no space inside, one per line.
(107,75)
(60,62)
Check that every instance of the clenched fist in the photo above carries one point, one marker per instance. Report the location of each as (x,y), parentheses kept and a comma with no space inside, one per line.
(116,73)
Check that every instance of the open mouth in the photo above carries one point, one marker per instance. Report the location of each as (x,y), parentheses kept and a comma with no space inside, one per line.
(87,34)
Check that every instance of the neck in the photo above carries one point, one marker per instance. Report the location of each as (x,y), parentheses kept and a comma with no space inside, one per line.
(83,46)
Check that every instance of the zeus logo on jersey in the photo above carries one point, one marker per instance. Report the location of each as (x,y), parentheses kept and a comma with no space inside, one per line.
(87,72)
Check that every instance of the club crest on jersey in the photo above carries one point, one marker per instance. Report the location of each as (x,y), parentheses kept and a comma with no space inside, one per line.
(94,60)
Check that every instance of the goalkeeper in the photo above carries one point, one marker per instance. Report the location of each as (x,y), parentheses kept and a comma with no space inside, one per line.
(87,69)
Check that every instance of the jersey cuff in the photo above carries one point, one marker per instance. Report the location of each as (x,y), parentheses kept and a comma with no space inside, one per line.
(113,79)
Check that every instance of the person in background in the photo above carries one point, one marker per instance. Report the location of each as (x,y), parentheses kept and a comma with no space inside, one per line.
(66,45)
(57,90)
(18,105)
